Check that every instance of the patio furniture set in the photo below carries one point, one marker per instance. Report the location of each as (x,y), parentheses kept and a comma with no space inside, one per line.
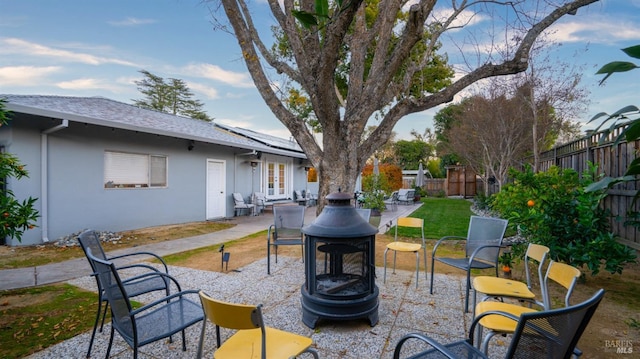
(258,202)
(538,332)
(402,196)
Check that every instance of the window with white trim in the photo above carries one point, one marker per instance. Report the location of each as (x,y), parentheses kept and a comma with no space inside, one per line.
(133,170)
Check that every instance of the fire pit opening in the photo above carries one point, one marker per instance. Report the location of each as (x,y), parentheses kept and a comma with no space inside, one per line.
(339,265)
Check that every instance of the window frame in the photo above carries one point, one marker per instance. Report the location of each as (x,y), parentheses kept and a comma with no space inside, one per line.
(120,171)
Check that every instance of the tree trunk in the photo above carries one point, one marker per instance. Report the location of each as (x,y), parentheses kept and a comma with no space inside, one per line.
(338,167)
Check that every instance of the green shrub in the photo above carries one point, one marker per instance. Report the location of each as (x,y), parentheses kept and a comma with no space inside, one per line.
(482,201)
(372,182)
(15,217)
(552,208)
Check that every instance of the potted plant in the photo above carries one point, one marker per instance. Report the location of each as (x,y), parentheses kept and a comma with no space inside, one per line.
(417,194)
(506,261)
(375,201)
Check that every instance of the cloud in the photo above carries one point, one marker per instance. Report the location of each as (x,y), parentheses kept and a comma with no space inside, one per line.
(127,80)
(247,122)
(131,21)
(26,48)
(208,91)
(596,30)
(250,123)
(214,72)
(271,127)
(465,18)
(88,84)
(25,75)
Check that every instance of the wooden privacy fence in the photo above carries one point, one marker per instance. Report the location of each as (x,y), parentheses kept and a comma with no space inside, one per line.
(612,160)
(460,181)
(434,186)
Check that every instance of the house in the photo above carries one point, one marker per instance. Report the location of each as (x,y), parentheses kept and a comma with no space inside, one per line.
(106,165)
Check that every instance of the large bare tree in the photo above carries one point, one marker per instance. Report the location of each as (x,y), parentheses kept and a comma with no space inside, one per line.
(554,96)
(382,56)
(491,133)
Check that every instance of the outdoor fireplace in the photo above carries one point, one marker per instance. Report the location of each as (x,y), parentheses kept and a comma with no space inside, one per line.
(339,265)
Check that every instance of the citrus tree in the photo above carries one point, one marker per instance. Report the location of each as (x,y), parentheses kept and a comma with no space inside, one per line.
(552,208)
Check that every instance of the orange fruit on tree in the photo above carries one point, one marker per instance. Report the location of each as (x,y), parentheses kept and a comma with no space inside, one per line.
(530,203)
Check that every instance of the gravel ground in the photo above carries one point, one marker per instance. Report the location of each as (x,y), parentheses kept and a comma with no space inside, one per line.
(403,309)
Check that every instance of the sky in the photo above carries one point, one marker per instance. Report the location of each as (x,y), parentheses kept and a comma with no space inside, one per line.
(98,47)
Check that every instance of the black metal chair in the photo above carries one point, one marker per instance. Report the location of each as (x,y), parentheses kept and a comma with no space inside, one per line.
(154,321)
(482,248)
(286,230)
(134,285)
(545,334)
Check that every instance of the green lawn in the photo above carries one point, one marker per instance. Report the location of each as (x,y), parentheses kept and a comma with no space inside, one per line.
(32,319)
(442,217)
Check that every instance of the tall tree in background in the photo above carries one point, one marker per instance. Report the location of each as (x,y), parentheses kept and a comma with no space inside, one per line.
(554,95)
(358,58)
(491,134)
(409,154)
(443,120)
(172,96)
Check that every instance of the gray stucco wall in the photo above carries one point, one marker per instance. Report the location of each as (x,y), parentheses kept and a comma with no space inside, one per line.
(76,195)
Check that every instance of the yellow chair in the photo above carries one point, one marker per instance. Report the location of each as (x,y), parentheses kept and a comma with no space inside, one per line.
(252,340)
(495,287)
(400,246)
(561,273)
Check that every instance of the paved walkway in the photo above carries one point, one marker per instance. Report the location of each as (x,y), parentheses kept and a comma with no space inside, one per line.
(245,225)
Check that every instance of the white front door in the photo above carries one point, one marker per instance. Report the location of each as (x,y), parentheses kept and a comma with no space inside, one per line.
(216,195)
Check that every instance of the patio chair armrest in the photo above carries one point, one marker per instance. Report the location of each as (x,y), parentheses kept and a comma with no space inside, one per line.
(163,300)
(138,265)
(166,270)
(165,276)
(149,268)
(480,248)
(421,337)
(435,246)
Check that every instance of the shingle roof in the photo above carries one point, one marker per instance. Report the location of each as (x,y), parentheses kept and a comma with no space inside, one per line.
(109,113)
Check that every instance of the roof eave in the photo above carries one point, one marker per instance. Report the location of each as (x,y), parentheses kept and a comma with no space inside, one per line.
(124,126)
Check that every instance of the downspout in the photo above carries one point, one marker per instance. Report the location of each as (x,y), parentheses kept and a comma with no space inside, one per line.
(44,178)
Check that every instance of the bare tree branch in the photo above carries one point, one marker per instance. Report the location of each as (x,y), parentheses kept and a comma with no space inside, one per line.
(388,85)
